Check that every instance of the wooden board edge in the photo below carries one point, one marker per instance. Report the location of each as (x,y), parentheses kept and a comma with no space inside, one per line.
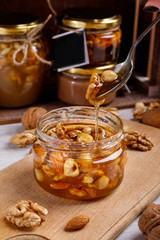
(118,227)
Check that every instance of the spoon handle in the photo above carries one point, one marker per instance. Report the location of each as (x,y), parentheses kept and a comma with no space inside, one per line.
(143,34)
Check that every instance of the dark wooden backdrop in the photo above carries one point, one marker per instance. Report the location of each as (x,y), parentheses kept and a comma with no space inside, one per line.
(124,7)
(40,8)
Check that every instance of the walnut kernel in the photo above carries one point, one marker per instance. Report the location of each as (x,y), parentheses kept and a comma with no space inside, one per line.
(139,141)
(24,138)
(94,87)
(26,214)
(153,105)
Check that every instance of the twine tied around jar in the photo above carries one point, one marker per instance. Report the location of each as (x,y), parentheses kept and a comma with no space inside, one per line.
(51,8)
(27,42)
(30,37)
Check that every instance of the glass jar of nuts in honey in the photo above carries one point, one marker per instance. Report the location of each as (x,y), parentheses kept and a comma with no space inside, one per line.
(102,30)
(77,157)
(21,71)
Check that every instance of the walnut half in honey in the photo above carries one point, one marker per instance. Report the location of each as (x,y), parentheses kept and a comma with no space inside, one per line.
(101,84)
(74,160)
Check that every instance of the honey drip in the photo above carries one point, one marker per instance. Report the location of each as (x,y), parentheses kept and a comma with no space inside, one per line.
(96,106)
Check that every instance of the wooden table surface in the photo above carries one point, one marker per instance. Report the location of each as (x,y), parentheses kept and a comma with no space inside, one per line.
(13,115)
(10,154)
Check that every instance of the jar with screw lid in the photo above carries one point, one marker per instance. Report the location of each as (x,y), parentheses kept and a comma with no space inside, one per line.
(21,71)
(102,29)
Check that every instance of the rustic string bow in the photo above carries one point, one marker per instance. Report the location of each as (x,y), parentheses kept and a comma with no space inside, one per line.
(28,42)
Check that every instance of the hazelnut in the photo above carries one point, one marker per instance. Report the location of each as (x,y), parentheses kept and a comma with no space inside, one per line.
(149,222)
(30,117)
(109,76)
(140,105)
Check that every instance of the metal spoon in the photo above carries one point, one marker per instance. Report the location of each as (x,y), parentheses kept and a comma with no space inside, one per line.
(125,68)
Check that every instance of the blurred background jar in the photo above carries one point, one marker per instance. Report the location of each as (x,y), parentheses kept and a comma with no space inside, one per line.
(72,85)
(102,29)
(20,84)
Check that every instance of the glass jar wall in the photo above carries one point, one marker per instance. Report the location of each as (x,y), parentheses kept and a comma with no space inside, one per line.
(20,84)
(102,29)
(69,162)
(72,85)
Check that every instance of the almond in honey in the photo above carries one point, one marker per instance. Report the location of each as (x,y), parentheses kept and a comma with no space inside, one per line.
(73,163)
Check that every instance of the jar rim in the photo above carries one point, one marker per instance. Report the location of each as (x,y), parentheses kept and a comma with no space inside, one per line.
(74,145)
(27,236)
(88,71)
(92,24)
(17,23)
(90,18)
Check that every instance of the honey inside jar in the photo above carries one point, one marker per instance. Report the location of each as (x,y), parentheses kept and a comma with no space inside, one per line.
(70,161)
(102,31)
(21,80)
(103,46)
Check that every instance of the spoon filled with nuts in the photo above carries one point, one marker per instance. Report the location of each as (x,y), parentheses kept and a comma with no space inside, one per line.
(114,79)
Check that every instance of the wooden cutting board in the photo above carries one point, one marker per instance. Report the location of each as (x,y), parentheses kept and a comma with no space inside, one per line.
(108,216)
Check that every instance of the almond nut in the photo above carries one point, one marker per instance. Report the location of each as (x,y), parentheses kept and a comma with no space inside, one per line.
(77,222)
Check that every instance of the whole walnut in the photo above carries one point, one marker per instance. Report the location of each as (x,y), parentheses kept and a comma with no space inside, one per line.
(149,222)
(30,117)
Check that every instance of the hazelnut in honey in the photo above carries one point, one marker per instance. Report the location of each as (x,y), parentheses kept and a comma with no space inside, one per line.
(73,159)
(21,72)
(101,84)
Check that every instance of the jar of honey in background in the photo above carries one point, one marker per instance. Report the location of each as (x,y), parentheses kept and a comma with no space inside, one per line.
(102,29)
(20,84)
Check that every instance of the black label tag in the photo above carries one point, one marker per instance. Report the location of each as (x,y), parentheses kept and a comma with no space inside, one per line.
(69,50)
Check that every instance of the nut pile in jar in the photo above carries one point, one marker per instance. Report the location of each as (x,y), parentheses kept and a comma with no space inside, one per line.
(20,85)
(102,30)
(81,174)
(102,46)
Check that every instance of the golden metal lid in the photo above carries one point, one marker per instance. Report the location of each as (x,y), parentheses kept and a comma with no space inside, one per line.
(89,71)
(90,18)
(16,23)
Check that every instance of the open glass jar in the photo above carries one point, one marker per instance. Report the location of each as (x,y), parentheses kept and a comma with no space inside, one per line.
(102,29)
(68,162)
(20,84)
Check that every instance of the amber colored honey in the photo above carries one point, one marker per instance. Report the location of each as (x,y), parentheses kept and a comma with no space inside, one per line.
(100,170)
(21,85)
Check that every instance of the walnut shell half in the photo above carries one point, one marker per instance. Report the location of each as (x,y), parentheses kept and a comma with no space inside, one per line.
(149,222)
(30,117)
